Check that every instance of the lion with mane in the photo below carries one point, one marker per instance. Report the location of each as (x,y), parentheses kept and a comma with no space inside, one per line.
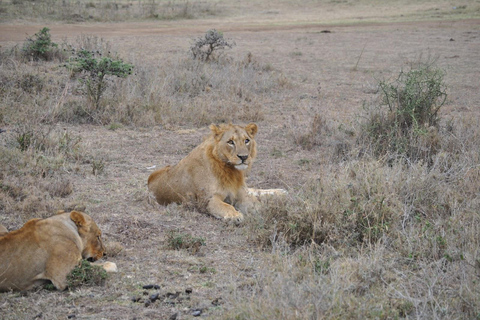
(213,174)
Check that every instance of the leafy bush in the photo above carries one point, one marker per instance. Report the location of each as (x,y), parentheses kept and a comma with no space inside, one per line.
(203,48)
(406,121)
(40,46)
(86,273)
(95,70)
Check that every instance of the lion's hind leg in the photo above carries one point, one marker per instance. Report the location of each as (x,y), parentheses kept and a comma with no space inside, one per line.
(266,192)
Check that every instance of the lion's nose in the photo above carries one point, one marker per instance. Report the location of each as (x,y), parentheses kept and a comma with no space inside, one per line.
(243,158)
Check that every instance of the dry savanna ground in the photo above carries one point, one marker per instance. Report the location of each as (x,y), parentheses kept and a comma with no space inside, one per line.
(381,219)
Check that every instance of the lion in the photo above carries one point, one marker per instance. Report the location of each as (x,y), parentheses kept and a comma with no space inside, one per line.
(213,174)
(47,249)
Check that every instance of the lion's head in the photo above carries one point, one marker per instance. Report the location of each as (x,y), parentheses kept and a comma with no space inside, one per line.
(90,234)
(235,145)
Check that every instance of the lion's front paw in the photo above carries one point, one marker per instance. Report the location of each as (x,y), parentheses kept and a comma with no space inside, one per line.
(236,217)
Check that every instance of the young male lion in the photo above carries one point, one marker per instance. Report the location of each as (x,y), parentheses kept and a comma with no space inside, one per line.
(213,174)
(47,249)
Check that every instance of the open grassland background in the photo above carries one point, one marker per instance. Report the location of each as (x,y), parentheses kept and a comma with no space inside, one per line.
(360,235)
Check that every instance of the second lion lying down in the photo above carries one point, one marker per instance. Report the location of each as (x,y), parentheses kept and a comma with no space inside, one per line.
(214,174)
(47,249)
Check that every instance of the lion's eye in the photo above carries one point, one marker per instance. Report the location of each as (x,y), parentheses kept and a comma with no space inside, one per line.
(231,142)
(247,141)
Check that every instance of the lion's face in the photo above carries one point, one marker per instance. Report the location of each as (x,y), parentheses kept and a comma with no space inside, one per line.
(90,235)
(235,145)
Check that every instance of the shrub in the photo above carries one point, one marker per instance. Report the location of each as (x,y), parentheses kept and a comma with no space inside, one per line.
(86,273)
(203,48)
(40,46)
(406,121)
(95,70)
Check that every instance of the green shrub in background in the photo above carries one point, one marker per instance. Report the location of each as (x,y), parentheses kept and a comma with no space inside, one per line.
(40,46)
(406,121)
(95,69)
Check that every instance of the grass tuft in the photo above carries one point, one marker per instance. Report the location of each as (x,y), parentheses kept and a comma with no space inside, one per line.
(86,274)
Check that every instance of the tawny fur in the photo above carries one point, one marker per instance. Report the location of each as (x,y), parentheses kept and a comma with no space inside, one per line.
(213,173)
(47,249)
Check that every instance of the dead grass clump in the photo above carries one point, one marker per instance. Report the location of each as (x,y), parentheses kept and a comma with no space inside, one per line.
(293,289)
(30,92)
(315,135)
(34,180)
(114,248)
(351,206)
(188,91)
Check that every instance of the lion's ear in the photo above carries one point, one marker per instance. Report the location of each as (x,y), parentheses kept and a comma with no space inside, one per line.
(215,130)
(251,129)
(78,218)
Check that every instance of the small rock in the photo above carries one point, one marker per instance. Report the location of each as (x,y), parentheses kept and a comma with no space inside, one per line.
(172,295)
(196,313)
(135,299)
(154,297)
(188,290)
(217,302)
(71,316)
(174,316)
(147,303)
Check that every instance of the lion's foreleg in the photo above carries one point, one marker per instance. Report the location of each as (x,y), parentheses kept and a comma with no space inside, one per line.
(222,210)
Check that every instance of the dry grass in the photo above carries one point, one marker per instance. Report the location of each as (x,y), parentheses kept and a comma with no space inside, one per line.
(361,234)
(94,11)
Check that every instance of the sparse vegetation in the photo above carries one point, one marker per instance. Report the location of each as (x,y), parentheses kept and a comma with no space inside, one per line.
(210,46)
(90,11)
(406,123)
(177,241)
(381,216)
(95,70)
(86,274)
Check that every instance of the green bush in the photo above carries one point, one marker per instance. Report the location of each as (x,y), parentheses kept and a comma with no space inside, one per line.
(86,273)
(95,70)
(40,46)
(406,121)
